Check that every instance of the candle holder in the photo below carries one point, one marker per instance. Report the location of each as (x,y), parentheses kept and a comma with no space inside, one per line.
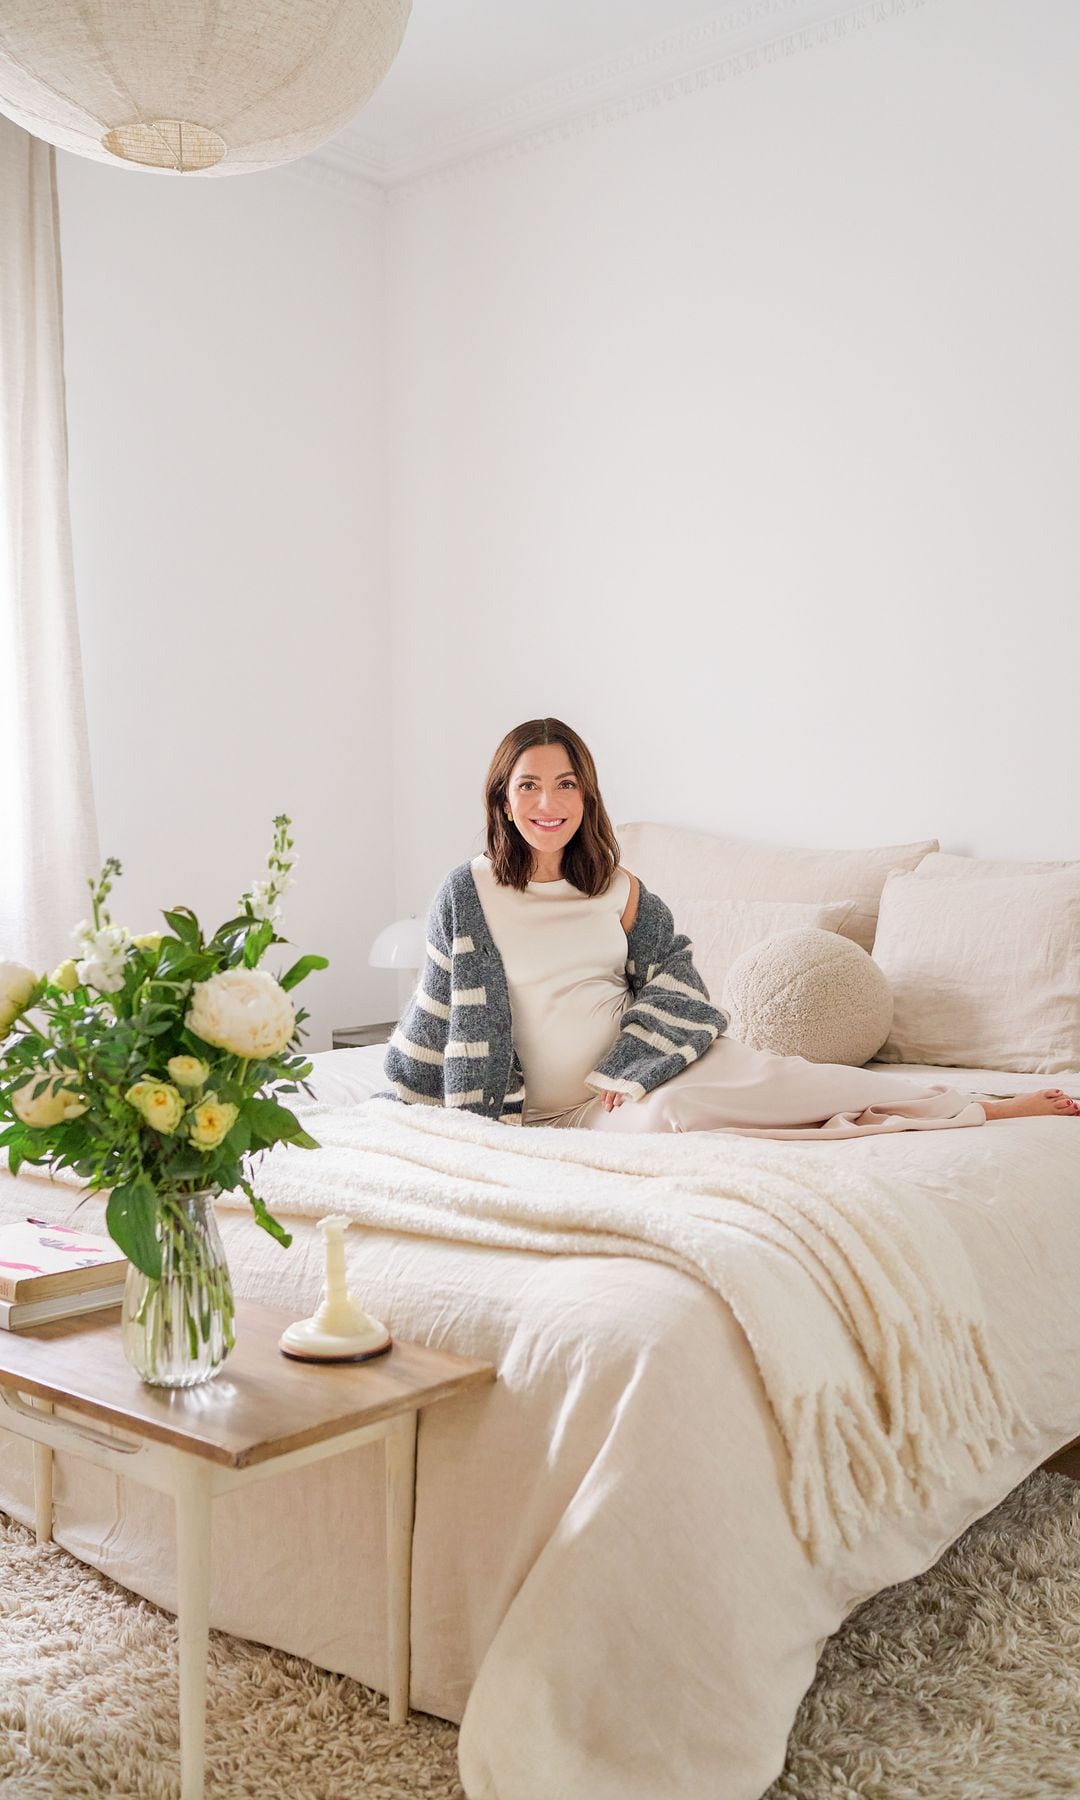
(339,1330)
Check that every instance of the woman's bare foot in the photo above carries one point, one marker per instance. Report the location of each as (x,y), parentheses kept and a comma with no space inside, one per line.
(1047,1100)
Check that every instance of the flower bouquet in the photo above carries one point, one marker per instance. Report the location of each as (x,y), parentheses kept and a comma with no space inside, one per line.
(151,1066)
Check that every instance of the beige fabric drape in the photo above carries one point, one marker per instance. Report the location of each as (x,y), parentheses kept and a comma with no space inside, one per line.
(48,831)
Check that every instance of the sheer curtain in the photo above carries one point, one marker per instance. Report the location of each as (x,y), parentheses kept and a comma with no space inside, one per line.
(48,831)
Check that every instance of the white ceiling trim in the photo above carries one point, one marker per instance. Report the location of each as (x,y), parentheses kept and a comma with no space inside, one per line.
(740,40)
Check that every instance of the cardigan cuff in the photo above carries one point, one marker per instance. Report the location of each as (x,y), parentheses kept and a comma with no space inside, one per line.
(610,1084)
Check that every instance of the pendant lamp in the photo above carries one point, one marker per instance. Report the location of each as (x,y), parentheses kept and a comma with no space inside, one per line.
(206,87)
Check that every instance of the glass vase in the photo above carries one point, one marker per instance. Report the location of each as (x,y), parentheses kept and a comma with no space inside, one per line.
(177,1331)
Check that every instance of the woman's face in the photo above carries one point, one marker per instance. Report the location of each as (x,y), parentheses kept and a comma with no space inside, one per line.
(545,797)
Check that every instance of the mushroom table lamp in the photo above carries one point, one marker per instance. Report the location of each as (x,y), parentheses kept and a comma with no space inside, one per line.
(339,1330)
(399,946)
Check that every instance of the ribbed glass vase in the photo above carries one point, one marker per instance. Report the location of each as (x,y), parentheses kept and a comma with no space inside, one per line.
(177,1331)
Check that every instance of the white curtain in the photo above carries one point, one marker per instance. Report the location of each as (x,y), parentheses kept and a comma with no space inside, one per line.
(48,830)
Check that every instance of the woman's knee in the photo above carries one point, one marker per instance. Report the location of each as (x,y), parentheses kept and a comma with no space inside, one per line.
(660,1111)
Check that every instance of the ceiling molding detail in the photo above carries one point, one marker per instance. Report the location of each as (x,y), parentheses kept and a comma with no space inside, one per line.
(354,171)
(740,40)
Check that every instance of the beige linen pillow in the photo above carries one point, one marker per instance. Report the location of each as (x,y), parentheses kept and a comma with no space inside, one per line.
(809,993)
(720,930)
(985,971)
(694,864)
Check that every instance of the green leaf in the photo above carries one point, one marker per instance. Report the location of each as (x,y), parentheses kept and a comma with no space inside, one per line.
(302,968)
(238,1140)
(183,960)
(258,941)
(272,1124)
(230,927)
(131,1220)
(266,1219)
(183,923)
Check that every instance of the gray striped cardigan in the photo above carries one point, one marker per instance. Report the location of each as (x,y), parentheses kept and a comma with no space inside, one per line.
(454,1044)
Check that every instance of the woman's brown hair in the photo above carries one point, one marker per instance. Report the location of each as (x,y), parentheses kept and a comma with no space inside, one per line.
(592,855)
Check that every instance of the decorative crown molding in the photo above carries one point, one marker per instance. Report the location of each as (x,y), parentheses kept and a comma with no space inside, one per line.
(746,36)
(354,169)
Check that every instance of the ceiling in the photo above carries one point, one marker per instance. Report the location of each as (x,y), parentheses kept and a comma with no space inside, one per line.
(473,74)
(459,55)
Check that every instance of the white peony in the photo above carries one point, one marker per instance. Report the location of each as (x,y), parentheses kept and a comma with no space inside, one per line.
(245,1011)
(17,983)
(101,962)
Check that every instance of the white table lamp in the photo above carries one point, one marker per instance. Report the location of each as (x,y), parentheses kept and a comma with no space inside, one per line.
(399,946)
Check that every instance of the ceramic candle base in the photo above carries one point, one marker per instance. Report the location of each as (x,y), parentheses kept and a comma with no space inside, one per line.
(305,1341)
(339,1330)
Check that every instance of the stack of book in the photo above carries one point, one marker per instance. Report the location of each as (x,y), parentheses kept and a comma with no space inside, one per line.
(51,1271)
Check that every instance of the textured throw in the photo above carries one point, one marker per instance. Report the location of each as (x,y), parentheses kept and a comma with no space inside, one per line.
(857,1298)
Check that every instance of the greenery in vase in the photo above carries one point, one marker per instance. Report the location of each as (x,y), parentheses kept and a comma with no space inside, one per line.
(151,1065)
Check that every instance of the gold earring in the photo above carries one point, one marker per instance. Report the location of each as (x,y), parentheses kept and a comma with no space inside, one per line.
(508,813)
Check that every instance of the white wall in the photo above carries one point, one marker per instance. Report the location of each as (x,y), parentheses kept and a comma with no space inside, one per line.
(743,433)
(225,369)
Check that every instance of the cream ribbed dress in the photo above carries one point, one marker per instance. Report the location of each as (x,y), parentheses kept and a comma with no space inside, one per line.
(565,959)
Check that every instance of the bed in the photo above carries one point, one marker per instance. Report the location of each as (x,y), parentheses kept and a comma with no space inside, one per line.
(607,1592)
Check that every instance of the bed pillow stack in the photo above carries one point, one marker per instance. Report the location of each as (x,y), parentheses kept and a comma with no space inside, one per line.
(983,958)
(721,931)
(684,866)
(764,921)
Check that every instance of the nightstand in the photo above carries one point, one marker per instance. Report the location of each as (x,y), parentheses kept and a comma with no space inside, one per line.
(351,1037)
(266,1416)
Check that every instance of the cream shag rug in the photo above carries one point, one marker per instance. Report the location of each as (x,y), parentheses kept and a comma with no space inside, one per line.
(961,1685)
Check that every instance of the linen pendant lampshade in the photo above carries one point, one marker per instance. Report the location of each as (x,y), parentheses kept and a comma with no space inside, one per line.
(210,87)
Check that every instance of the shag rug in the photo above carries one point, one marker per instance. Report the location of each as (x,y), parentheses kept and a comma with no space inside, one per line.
(963,1684)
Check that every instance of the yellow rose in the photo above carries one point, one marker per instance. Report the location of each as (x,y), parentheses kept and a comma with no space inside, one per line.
(65,976)
(17,983)
(148,940)
(211,1121)
(159,1104)
(55,1102)
(188,1071)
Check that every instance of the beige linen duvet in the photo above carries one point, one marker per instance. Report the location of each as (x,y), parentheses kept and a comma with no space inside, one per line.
(607,1590)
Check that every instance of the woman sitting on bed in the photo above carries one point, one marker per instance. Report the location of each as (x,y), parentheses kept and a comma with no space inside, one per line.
(556,991)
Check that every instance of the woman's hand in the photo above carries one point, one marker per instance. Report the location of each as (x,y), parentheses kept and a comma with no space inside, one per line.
(611,1101)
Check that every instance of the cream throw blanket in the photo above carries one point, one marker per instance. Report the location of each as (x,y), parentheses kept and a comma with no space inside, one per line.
(856,1296)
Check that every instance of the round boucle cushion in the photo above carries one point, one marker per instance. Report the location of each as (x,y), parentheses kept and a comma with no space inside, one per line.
(811,993)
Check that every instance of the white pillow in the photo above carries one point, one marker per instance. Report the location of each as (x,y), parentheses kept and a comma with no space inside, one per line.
(809,993)
(673,860)
(342,1077)
(985,971)
(721,930)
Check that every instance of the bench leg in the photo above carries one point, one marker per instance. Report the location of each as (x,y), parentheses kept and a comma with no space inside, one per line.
(43,1485)
(192,1493)
(400,1506)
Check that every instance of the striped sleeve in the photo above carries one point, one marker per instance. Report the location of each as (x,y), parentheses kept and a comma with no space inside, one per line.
(670,1020)
(418,1048)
